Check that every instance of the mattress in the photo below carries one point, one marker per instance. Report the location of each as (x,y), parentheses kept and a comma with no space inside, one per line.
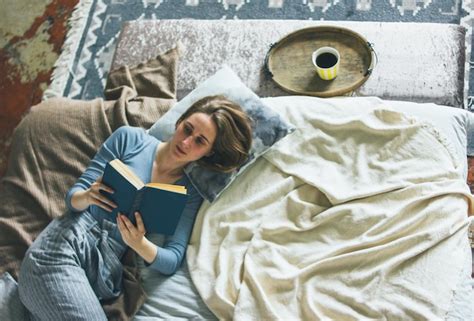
(412,65)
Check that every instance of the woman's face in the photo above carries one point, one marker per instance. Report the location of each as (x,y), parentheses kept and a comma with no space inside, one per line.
(193,138)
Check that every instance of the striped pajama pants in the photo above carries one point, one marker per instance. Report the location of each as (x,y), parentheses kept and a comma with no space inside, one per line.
(72,265)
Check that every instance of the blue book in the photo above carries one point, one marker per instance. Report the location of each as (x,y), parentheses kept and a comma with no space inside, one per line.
(160,205)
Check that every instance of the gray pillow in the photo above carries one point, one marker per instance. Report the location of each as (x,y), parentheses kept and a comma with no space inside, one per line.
(268,128)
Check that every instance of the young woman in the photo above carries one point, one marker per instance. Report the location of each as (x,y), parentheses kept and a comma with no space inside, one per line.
(75,262)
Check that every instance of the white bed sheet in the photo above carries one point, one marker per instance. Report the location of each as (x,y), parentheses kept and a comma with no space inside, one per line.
(170,297)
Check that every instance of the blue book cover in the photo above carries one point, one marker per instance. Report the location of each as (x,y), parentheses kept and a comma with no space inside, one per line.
(160,205)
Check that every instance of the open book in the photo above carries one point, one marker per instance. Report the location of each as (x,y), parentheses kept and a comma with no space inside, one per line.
(160,205)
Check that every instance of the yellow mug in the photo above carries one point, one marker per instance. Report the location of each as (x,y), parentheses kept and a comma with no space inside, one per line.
(326,60)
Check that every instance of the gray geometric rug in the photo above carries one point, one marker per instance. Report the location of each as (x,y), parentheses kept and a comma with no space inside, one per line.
(82,68)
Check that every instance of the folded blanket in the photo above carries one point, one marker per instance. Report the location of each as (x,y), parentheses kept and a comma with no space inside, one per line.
(360,214)
(53,145)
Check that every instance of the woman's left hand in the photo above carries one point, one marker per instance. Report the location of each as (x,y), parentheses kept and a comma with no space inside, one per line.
(133,236)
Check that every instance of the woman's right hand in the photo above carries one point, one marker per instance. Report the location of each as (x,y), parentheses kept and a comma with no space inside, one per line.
(81,200)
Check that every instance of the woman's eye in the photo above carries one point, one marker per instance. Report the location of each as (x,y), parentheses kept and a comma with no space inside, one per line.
(187,130)
(199,141)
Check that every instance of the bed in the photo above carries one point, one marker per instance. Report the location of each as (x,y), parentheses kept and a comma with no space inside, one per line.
(349,215)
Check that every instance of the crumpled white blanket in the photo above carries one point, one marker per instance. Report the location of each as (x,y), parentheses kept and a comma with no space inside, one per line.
(360,214)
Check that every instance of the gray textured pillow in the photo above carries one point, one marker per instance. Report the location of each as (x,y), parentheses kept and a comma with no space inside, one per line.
(268,128)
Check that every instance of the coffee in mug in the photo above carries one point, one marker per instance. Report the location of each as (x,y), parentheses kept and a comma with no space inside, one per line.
(326,60)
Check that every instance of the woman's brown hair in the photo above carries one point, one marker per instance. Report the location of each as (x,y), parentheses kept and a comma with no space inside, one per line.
(234,132)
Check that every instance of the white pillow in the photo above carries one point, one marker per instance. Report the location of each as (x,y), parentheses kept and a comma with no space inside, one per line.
(455,123)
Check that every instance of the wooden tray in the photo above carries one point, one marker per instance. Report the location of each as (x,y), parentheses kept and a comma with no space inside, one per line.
(289,61)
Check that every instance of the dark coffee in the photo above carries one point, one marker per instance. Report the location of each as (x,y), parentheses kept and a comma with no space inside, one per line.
(326,60)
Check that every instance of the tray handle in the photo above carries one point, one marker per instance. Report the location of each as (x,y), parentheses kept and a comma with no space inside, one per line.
(267,57)
(374,61)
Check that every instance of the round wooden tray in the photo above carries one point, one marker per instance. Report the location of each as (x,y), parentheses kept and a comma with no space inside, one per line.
(289,61)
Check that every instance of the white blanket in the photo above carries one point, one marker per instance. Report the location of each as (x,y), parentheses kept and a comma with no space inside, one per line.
(360,214)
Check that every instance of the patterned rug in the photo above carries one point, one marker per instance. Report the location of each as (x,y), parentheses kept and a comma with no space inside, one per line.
(32,34)
(87,54)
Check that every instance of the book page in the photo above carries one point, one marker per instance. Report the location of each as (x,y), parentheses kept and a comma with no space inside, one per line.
(126,172)
(169,187)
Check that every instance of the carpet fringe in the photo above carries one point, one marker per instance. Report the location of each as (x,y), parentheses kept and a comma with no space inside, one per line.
(62,67)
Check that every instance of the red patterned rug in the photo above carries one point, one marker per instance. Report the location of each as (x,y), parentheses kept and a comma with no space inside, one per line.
(27,57)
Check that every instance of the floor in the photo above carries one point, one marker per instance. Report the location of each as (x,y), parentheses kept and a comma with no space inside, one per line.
(31,37)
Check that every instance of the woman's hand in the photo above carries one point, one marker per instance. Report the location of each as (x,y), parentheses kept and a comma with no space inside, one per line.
(95,197)
(134,236)
(81,200)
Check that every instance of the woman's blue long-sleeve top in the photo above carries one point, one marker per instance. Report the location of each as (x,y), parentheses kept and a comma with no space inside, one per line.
(137,149)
